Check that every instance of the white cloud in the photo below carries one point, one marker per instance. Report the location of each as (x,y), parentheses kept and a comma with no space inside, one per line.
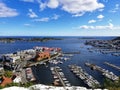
(75,7)
(27,24)
(86,27)
(100,16)
(27,0)
(6,11)
(91,21)
(55,17)
(104,27)
(117,7)
(32,14)
(53,3)
(42,6)
(101,9)
(79,14)
(46,19)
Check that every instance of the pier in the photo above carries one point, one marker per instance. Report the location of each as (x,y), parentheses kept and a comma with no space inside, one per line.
(88,79)
(104,72)
(112,65)
(59,77)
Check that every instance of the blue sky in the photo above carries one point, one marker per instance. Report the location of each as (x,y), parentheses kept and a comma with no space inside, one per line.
(59,18)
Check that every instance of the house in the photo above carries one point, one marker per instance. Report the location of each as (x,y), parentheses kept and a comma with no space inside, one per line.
(17,79)
(5,80)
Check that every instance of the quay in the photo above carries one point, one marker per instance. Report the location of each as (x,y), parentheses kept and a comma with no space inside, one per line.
(104,72)
(112,65)
(74,52)
(88,79)
(59,76)
(43,61)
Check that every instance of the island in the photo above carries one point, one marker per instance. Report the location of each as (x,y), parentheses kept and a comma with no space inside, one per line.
(30,39)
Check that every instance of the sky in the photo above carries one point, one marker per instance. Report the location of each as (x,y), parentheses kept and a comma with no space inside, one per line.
(59,18)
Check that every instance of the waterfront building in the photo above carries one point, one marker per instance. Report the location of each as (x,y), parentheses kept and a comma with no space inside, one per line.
(42,55)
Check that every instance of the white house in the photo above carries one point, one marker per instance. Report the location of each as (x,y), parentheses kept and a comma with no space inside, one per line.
(17,79)
(12,59)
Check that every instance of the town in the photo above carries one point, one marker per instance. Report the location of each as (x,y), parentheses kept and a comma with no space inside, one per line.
(16,67)
(105,46)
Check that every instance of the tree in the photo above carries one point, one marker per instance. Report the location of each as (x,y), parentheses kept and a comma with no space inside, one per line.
(8,74)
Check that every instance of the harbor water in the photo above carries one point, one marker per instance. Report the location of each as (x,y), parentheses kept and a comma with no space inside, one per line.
(43,74)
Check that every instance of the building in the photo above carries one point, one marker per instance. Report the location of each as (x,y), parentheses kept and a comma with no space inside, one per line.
(42,55)
(11,58)
(17,79)
(1,69)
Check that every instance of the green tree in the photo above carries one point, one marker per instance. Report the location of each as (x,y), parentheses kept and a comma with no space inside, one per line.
(8,74)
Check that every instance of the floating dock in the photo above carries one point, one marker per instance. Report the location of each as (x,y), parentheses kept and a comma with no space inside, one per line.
(112,65)
(88,79)
(104,72)
(59,76)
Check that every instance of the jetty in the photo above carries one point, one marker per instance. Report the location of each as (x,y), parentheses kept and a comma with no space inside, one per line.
(60,77)
(80,73)
(112,65)
(104,72)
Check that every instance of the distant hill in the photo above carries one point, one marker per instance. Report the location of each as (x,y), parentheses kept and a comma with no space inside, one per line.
(118,38)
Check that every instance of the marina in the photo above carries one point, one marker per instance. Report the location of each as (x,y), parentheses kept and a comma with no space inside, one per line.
(41,68)
(59,77)
(104,72)
(88,79)
(59,44)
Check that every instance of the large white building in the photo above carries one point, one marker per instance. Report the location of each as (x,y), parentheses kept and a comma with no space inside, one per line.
(10,58)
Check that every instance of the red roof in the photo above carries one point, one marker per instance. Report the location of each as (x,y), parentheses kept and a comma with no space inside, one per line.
(6,81)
